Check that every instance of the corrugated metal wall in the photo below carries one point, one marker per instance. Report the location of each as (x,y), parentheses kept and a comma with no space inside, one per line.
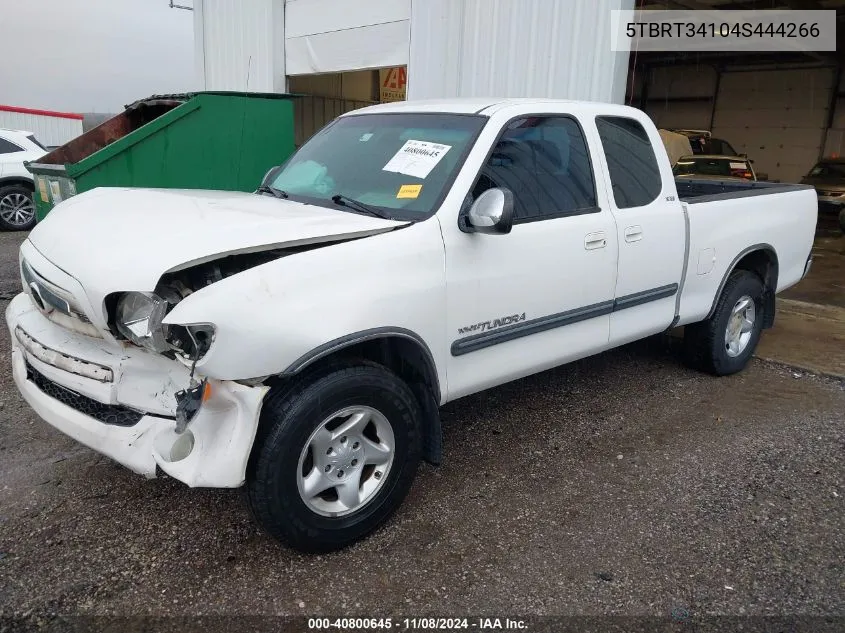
(48,130)
(454,48)
(519,48)
(241,44)
(330,96)
(312,113)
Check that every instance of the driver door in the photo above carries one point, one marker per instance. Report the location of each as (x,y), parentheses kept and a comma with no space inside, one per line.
(542,294)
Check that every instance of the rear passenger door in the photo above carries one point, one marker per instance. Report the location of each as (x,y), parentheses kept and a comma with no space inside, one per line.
(10,154)
(542,294)
(651,227)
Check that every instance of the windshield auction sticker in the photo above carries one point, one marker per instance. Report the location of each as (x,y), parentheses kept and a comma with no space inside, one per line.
(409,191)
(417,158)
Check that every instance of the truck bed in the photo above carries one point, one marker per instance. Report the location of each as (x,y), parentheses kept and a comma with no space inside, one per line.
(710,189)
(729,218)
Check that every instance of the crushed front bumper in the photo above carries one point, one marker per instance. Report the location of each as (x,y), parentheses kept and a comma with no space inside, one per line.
(120,401)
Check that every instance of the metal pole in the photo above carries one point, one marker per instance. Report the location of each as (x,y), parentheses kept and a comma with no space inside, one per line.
(718,70)
(831,107)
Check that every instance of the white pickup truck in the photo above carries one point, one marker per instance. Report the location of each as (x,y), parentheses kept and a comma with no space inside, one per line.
(299,339)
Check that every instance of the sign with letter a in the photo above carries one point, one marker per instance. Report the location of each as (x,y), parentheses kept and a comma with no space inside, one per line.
(392,83)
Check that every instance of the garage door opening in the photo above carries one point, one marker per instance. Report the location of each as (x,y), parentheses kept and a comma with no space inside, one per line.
(327,96)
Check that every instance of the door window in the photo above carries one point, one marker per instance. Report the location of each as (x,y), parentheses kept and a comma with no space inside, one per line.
(544,162)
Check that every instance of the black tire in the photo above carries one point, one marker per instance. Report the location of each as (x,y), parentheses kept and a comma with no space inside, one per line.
(8,196)
(704,342)
(842,220)
(289,417)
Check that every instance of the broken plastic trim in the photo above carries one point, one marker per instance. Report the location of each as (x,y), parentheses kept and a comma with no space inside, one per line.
(60,360)
(188,403)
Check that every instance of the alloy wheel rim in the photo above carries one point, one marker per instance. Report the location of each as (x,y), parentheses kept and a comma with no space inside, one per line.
(17,209)
(740,326)
(346,461)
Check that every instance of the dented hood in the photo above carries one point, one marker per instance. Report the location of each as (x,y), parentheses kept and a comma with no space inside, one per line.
(113,239)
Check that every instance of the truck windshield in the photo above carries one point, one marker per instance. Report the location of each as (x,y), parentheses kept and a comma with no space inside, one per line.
(402,164)
(828,170)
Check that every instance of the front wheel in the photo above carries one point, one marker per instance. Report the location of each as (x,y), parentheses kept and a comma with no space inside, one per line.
(17,208)
(335,457)
(724,343)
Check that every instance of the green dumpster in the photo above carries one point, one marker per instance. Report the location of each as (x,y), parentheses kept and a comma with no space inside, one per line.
(200,140)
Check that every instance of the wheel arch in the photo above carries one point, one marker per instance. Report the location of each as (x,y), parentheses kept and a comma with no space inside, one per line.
(403,352)
(18,180)
(762,260)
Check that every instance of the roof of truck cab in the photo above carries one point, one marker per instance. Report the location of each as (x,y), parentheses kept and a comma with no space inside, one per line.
(473,105)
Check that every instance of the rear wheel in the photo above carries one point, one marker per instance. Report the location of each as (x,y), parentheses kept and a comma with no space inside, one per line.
(17,208)
(336,456)
(724,343)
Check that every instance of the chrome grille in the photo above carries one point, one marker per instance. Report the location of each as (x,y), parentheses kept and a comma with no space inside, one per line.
(49,297)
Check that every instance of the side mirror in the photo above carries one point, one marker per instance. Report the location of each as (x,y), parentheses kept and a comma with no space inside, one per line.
(492,212)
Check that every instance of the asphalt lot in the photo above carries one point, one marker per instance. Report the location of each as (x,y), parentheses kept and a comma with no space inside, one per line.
(623,484)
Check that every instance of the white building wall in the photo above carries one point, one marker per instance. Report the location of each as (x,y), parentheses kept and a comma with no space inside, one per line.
(240,44)
(49,130)
(515,48)
(463,48)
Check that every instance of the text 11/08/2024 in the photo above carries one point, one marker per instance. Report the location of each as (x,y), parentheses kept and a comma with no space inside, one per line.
(417,624)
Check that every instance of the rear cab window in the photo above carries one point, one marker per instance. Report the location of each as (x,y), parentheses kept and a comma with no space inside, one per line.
(719,146)
(7,147)
(634,172)
(35,141)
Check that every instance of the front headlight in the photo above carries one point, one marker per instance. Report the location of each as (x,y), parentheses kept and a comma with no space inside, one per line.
(138,317)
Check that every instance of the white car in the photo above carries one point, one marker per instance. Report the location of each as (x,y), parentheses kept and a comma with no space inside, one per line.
(17,208)
(300,339)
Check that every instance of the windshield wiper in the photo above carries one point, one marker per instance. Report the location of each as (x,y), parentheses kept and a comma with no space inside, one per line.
(278,193)
(359,206)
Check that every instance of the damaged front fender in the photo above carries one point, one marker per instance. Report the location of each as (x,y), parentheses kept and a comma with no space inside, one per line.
(214,449)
